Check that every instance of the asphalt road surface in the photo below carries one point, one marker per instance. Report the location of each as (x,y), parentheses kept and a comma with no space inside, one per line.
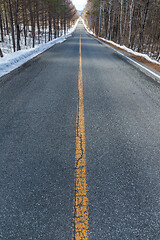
(117,188)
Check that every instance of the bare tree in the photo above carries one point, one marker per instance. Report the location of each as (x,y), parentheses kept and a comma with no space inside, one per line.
(1,25)
(1,54)
(135,23)
(31,19)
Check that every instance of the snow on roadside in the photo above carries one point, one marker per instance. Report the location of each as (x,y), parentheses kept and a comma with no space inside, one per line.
(122,47)
(14,60)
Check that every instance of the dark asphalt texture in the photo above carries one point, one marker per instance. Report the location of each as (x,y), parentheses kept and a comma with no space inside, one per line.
(38,106)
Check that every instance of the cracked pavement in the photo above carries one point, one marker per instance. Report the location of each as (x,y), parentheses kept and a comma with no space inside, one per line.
(38,107)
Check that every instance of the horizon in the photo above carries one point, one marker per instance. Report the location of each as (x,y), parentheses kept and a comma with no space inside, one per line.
(79,6)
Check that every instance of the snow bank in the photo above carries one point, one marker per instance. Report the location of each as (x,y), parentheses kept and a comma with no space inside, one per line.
(122,47)
(16,59)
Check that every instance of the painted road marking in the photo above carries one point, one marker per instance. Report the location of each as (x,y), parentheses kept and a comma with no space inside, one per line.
(128,58)
(156,75)
(81,208)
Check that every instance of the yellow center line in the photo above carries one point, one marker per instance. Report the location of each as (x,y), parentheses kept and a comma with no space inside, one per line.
(81,209)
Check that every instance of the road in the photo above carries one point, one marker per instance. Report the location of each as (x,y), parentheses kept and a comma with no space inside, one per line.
(79,147)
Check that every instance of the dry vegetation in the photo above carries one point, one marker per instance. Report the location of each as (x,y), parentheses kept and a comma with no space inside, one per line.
(133,23)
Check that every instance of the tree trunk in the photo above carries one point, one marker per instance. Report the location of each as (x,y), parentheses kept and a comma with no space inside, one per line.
(24,25)
(64,25)
(17,24)
(58,26)
(12,26)
(1,54)
(37,16)
(100,18)
(1,25)
(45,29)
(54,27)
(109,20)
(6,17)
(32,23)
(130,23)
(50,28)
(121,21)
(125,20)
(143,26)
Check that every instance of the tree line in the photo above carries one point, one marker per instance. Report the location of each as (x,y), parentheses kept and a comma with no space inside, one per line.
(35,19)
(133,23)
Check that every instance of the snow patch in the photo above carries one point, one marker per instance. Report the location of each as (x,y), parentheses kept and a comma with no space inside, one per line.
(14,60)
(122,47)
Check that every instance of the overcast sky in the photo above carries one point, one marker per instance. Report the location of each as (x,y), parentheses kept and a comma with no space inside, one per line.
(79,4)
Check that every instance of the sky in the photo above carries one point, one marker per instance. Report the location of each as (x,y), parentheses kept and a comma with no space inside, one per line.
(79,4)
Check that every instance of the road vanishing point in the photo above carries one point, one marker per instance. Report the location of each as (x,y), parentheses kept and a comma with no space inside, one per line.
(79,146)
